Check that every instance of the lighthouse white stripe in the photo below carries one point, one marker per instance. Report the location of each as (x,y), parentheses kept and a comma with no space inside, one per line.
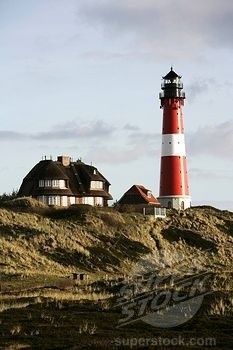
(173,145)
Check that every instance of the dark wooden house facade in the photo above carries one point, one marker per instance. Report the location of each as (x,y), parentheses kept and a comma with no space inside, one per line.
(64,182)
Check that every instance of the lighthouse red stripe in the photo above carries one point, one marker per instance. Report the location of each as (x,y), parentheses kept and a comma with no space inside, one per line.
(174,176)
(172,117)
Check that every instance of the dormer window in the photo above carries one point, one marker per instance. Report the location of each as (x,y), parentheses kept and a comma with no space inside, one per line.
(53,183)
(97,185)
(41,183)
(149,194)
(95,172)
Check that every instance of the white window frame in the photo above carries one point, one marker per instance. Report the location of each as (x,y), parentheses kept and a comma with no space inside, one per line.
(97,185)
(47,183)
(62,184)
(88,200)
(53,200)
(56,183)
(52,183)
(41,183)
(72,200)
(99,201)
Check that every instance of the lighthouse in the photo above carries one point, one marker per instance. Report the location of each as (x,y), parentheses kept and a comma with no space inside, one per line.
(174,185)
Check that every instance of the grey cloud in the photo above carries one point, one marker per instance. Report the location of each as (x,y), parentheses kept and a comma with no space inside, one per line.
(131,127)
(214,140)
(7,135)
(207,174)
(109,56)
(198,87)
(117,155)
(168,28)
(70,130)
(137,145)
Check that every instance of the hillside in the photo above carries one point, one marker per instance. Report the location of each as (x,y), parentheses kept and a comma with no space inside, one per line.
(42,307)
(103,240)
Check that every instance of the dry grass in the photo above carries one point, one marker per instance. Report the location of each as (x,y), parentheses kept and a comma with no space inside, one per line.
(96,240)
(221,307)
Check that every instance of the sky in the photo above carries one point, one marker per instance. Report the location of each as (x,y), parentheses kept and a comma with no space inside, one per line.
(82,78)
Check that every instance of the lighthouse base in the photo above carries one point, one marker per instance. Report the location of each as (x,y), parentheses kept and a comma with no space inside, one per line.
(175,202)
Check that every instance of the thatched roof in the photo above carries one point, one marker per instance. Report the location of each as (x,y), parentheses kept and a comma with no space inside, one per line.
(77,176)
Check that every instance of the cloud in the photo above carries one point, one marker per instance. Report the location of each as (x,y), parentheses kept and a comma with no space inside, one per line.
(207,174)
(166,28)
(7,135)
(137,145)
(108,143)
(198,87)
(131,127)
(213,140)
(69,130)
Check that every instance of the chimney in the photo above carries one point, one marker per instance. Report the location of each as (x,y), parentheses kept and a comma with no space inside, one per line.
(65,160)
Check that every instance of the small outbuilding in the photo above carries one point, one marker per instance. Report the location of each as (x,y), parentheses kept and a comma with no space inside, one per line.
(138,195)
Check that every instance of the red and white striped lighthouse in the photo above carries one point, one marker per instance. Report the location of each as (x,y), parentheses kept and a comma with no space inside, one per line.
(174,186)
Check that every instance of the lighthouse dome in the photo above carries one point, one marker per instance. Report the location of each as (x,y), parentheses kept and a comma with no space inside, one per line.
(172,75)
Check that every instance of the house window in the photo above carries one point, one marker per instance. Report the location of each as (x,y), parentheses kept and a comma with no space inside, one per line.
(149,194)
(72,200)
(99,201)
(88,200)
(53,183)
(48,183)
(97,185)
(41,183)
(53,200)
(64,201)
(62,184)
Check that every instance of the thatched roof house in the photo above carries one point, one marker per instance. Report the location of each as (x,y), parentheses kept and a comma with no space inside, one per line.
(64,182)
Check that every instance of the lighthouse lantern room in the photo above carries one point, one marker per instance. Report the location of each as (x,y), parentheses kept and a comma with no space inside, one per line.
(174,187)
